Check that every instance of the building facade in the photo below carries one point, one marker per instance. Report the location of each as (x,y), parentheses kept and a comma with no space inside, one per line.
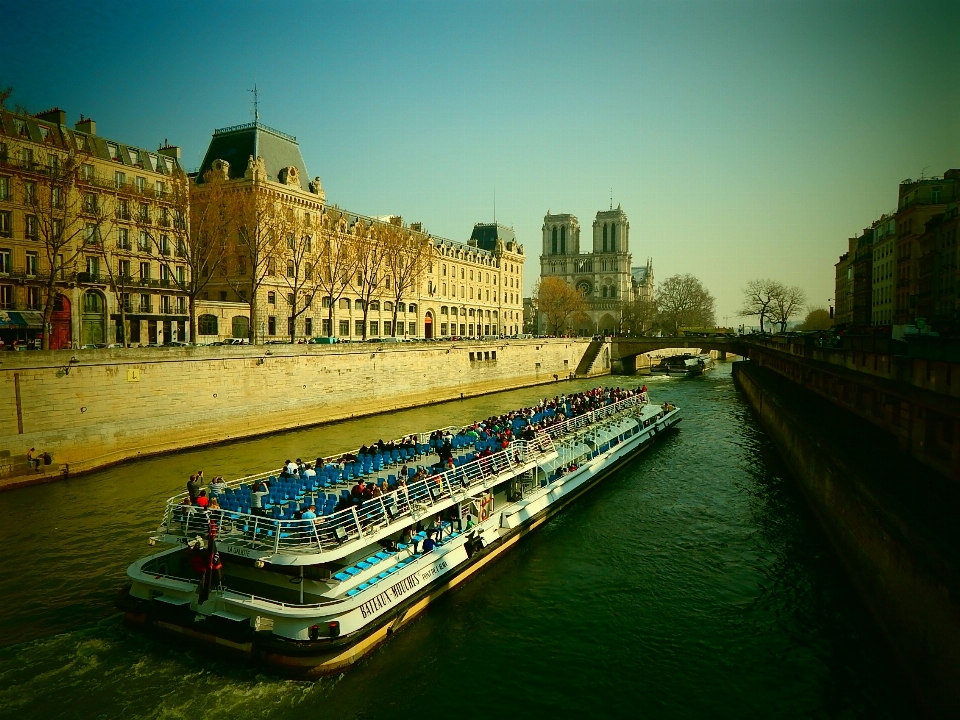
(918,202)
(884,286)
(602,271)
(462,289)
(95,214)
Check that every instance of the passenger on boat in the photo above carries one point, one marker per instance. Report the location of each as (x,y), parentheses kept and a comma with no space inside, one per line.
(257,493)
(290,466)
(428,544)
(375,491)
(434,528)
(310,513)
(216,487)
(193,488)
(406,538)
(202,499)
(358,490)
(308,471)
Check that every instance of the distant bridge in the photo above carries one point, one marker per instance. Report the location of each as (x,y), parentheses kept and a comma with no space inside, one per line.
(626,349)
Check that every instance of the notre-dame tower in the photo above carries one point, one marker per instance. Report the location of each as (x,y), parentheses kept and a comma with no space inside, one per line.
(601,273)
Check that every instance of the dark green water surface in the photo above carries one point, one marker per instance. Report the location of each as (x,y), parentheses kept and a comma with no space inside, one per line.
(692,584)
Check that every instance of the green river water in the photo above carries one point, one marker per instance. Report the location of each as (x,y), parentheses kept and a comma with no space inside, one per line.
(692,584)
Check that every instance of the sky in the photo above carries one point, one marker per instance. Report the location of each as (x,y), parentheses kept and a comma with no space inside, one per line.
(744,140)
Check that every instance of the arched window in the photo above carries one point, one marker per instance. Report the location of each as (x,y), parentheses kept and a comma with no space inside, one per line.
(92,302)
(554,245)
(563,240)
(613,291)
(401,307)
(613,238)
(603,291)
(374,304)
(344,303)
(207,325)
(388,306)
(444,310)
(412,307)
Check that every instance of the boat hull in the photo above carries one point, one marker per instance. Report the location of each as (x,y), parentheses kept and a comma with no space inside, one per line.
(316,658)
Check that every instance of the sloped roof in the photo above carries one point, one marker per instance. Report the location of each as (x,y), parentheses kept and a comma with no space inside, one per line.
(238,144)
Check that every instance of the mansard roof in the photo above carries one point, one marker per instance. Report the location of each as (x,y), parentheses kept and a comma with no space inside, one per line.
(487,234)
(239,143)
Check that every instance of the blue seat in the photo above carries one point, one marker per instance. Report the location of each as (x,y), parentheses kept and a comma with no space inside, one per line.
(351,593)
(373,560)
(363,586)
(364,565)
(342,576)
(383,574)
(352,571)
(383,555)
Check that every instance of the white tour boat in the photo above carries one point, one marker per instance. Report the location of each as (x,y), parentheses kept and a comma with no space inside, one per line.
(312,596)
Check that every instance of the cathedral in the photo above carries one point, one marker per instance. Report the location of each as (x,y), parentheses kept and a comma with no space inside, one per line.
(602,272)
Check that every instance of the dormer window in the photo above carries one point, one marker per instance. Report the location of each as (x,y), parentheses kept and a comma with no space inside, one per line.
(113,150)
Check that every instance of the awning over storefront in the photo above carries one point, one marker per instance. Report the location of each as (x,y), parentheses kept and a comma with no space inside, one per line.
(20,319)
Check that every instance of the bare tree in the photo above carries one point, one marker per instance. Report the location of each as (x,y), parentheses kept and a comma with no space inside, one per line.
(787,303)
(300,273)
(200,246)
(66,216)
(559,302)
(683,301)
(371,258)
(759,299)
(337,262)
(407,256)
(255,247)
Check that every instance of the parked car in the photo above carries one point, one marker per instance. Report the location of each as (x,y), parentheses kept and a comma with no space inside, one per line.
(235,341)
(323,340)
(177,343)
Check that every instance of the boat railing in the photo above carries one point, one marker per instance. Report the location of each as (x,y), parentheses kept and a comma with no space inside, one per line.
(417,499)
(581,421)
(422,437)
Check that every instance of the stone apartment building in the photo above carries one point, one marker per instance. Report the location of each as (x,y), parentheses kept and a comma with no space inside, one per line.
(904,266)
(918,202)
(882,269)
(113,204)
(466,289)
(604,273)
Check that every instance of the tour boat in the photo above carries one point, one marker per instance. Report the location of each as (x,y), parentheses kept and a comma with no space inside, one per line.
(310,597)
(684,365)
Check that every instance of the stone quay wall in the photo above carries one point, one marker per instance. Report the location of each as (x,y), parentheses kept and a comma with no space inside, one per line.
(898,556)
(93,408)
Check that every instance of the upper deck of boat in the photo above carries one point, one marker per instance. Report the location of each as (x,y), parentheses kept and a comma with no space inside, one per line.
(278,537)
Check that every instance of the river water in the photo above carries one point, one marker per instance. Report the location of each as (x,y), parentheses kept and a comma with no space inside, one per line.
(692,584)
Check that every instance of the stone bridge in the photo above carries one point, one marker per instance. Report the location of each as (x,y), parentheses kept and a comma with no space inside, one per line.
(625,350)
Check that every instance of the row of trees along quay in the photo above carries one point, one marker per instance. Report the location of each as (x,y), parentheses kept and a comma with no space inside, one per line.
(199,235)
(324,256)
(680,301)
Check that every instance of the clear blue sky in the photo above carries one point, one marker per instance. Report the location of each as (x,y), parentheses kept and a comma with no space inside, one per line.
(742,139)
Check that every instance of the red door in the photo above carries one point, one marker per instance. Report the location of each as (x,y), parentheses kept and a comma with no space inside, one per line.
(60,324)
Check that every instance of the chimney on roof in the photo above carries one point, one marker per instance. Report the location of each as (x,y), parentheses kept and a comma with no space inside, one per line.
(54,115)
(86,125)
(170,151)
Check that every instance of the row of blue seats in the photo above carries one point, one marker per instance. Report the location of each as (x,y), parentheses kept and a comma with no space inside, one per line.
(348,573)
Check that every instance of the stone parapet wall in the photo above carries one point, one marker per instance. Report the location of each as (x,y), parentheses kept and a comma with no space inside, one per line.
(892,527)
(93,408)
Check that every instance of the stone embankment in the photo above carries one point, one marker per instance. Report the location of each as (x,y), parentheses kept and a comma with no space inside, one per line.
(93,408)
(891,520)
